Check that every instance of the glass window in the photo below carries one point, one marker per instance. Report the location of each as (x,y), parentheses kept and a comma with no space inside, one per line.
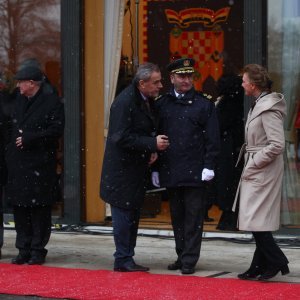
(30,30)
(284,66)
(30,33)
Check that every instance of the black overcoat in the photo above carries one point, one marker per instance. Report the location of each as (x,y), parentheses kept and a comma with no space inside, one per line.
(130,142)
(32,178)
(230,112)
(3,133)
(192,127)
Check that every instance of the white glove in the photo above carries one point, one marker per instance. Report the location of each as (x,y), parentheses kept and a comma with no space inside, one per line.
(207,175)
(155,179)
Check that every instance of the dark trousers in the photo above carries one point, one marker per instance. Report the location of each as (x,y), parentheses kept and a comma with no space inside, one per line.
(267,253)
(187,206)
(33,227)
(125,226)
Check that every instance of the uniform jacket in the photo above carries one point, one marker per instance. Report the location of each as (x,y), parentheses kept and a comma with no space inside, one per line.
(192,128)
(261,179)
(32,178)
(130,142)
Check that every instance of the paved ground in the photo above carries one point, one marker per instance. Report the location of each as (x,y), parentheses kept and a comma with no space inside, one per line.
(222,255)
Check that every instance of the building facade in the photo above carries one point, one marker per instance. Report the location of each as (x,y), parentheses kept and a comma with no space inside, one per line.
(89,50)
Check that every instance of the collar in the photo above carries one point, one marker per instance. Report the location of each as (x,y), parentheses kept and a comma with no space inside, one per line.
(143,96)
(177,94)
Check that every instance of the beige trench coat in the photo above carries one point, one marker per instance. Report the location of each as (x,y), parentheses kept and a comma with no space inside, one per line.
(261,180)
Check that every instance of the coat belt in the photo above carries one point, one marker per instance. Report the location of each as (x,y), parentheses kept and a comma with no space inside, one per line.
(248,149)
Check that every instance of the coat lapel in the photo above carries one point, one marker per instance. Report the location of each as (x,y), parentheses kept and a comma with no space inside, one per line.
(32,108)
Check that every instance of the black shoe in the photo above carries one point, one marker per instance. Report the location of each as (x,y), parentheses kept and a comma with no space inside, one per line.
(272,272)
(175,266)
(132,268)
(36,260)
(20,259)
(187,270)
(252,273)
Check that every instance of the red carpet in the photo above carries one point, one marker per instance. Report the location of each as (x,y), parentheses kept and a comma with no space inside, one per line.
(96,285)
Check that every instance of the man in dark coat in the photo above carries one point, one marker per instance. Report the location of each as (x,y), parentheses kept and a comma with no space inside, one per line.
(37,124)
(190,122)
(130,148)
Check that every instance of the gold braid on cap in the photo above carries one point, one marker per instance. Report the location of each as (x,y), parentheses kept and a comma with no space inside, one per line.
(184,70)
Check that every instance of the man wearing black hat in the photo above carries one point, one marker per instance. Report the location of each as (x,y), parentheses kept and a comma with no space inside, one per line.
(37,124)
(190,122)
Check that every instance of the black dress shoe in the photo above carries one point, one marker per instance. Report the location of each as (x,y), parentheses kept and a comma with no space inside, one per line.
(20,259)
(187,270)
(175,266)
(272,272)
(36,260)
(132,268)
(252,273)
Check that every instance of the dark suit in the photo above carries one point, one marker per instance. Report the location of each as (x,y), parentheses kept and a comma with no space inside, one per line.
(32,179)
(130,142)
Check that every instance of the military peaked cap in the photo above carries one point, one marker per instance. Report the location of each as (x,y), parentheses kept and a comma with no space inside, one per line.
(181,66)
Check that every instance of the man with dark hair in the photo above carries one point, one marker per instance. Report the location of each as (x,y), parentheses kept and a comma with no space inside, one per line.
(38,123)
(130,149)
(189,120)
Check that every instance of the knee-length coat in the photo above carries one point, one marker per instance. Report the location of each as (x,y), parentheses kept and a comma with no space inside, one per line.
(131,140)
(260,186)
(32,178)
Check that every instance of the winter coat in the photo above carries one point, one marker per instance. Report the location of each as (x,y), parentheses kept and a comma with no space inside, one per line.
(192,128)
(261,180)
(3,129)
(230,112)
(32,178)
(130,142)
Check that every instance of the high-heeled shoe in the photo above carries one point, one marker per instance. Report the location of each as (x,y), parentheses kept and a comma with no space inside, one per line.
(272,272)
(251,273)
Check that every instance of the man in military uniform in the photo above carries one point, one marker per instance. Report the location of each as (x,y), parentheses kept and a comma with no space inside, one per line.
(190,122)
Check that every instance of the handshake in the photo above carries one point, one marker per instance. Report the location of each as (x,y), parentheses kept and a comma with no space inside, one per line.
(207,175)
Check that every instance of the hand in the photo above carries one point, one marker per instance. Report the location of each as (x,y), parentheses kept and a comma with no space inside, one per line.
(155,179)
(153,158)
(207,175)
(19,142)
(162,142)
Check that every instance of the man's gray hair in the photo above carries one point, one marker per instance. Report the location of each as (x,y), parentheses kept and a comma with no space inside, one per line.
(144,72)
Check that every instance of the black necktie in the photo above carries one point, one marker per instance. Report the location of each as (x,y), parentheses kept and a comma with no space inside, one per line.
(180,96)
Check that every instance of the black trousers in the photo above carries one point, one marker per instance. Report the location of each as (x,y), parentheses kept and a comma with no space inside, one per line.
(33,227)
(267,253)
(187,206)
(125,226)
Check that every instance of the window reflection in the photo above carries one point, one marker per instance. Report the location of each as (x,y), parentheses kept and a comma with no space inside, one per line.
(284,66)
(30,29)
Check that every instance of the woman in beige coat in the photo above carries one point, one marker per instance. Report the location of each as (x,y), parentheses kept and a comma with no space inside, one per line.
(261,180)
